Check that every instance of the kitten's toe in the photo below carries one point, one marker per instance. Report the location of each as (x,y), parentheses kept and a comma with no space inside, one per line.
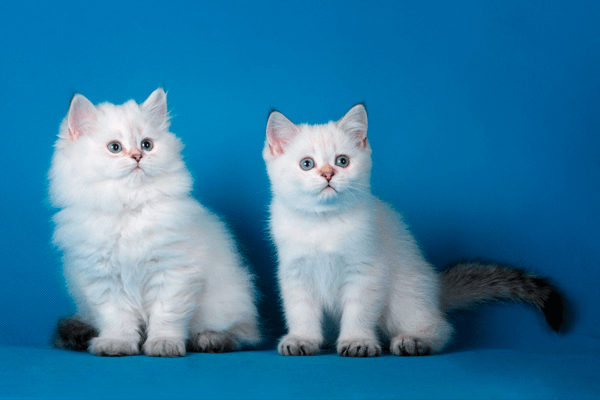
(213,342)
(409,346)
(294,346)
(359,348)
(113,347)
(164,347)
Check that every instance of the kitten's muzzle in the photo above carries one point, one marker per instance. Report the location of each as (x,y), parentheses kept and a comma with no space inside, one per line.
(137,156)
(327,172)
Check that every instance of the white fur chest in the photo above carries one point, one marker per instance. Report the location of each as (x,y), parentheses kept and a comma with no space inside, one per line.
(347,236)
(130,247)
(109,244)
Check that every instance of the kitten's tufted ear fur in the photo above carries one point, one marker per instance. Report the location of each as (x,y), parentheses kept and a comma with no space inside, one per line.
(355,123)
(280,132)
(81,117)
(155,107)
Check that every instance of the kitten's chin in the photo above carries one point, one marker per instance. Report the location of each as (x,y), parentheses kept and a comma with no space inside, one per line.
(326,201)
(328,195)
(136,176)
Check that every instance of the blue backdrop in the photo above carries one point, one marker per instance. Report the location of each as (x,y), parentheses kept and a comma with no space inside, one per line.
(484,119)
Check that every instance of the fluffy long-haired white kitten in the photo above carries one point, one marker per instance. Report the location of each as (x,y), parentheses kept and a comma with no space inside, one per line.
(151,270)
(345,253)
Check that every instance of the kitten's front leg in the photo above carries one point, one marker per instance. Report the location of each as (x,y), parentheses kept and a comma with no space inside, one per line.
(361,307)
(303,316)
(172,298)
(118,323)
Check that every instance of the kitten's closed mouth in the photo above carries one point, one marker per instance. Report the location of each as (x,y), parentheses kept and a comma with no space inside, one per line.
(329,187)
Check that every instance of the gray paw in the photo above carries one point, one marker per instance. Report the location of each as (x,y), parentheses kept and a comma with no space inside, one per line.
(213,342)
(359,348)
(113,347)
(409,346)
(294,346)
(164,347)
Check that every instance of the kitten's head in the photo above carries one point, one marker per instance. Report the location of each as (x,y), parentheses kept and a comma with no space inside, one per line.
(319,168)
(116,155)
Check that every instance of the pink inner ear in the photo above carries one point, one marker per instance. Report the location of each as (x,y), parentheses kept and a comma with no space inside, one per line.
(276,144)
(280,133)
(275,150)
(80,119)
(362,139)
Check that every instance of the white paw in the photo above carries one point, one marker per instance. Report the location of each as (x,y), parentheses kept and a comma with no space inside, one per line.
(213,342)
(294,346)
(410,346)
(164,347)
(359,348)
(113,347)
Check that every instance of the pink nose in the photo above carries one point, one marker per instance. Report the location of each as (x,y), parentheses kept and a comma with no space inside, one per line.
(327,175)
(137,156)
(327,172)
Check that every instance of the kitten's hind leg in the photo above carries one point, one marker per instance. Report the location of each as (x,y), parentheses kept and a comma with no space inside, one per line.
(408,345)
(213,342)
(418,331)
(216,341)
(225,318)
(422,342)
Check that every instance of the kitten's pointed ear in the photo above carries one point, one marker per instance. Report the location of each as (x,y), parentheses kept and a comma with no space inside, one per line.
(81,117)
(155,107)
(280,132)
(355,123)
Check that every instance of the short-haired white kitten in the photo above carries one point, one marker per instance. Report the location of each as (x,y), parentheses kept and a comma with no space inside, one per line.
(150,268)
(345,253)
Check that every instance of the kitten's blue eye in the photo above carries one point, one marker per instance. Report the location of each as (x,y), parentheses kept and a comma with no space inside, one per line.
(342,161)
(307,163)
(114,147)
(147,144)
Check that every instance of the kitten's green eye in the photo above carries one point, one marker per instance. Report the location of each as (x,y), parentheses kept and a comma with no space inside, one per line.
(307,163)
(147,144)
(114,147)
(342,161)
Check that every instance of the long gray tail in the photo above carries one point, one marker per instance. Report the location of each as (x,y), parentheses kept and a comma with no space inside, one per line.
(72,334)
(467,284)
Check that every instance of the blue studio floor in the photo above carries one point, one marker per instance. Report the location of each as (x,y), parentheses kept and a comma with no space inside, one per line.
(29,372)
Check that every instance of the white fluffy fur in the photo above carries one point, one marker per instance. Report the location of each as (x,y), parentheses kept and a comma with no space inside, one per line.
(344,252)
(141,255)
